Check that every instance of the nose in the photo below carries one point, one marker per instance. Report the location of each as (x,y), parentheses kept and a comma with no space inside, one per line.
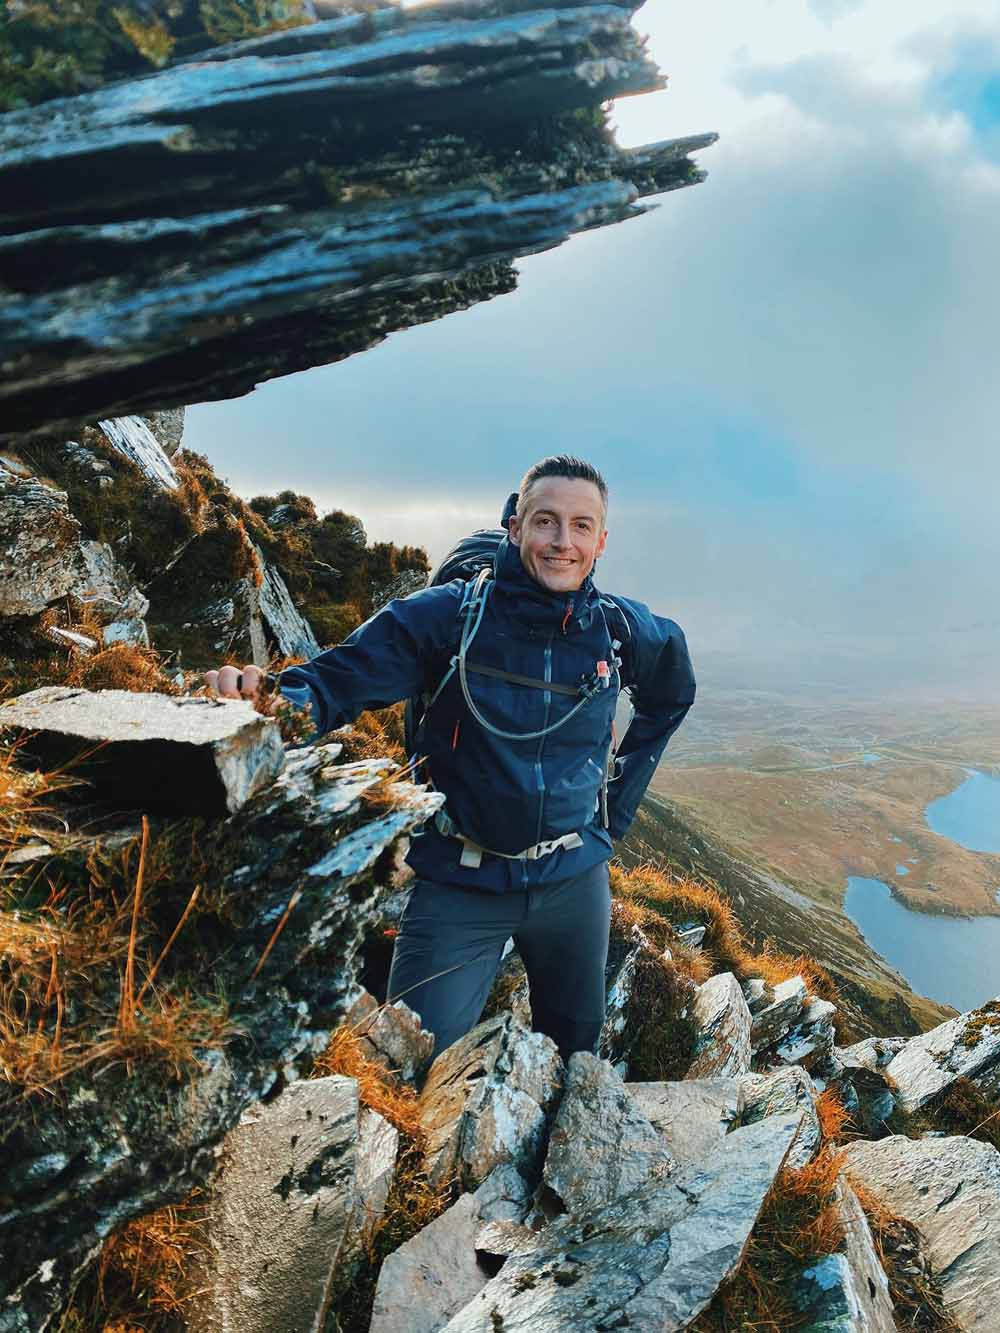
(560,538)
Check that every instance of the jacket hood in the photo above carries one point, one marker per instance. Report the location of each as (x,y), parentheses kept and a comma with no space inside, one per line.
(528,601)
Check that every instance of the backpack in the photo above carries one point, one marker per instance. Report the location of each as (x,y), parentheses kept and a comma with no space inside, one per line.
(472,560)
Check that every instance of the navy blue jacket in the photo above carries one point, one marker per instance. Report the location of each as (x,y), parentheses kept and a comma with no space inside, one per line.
(509,794)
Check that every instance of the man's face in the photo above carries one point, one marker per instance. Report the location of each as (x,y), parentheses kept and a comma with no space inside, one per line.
(560,532)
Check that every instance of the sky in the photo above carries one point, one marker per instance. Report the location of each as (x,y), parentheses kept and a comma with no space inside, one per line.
(787,374)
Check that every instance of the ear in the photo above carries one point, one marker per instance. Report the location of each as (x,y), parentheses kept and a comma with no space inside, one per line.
(514,530)
(602,542)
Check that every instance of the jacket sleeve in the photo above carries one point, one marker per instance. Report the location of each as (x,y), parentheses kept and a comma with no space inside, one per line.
(386,659)
(662,685)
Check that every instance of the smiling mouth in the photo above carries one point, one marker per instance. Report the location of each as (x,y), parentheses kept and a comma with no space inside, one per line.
(557,560)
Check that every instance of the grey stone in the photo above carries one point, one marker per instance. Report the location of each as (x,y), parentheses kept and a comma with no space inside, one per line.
(757,993)
(773,1020)
(279,1212)
(848,1292)
(500,1239)
(810,1042)
(289,630)
(931,1062)
(623,961)
(780,1093)
(391,1036)
(601,1145)
(652,1260)
(167,428)
(866,1093)
(504,1196)
(39,542)
(132,438)
(104,587)
(692,937)
(202,756)
(949,1188)
(873,1052)
(486,1102)
(378,1146)
(723,1044)
(692,1116)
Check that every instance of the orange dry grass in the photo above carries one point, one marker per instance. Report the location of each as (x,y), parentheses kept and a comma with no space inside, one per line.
(376,1087)
(79,977)
(122,666)
(140,1280)
(676,898)
(798,1224)
(375,735)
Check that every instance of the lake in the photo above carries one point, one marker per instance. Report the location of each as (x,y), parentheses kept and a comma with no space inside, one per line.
(969,815)
(951,959)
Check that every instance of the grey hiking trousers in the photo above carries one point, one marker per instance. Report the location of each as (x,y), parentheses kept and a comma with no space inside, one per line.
(451,939)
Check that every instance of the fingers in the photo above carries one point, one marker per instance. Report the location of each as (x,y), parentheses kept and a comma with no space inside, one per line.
(231,683)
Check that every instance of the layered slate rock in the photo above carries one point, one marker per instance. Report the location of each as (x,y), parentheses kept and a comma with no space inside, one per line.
(391,1035)
(436,1273)
(964,1047)
(601,1145)
(772,1021)
(780,1093)
(723,1046)
(378,1148)
(691,1116)
(651,1260)
(279,1212)
(486,1102)
(810,1042)
(133,438)
(847,1292)
(200,756)
(949,1188)
(872,1053)
(289,630)
(111,1148)
(39,544)
(290,202)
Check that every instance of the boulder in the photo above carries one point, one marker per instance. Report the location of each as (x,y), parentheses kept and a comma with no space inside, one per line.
(964,1047)
(391,1036)
(949,1188)
(601,1145)
(772,1021)
(651,1260)
(872,1053)
(487,1100)
(132,438)
(866,1093)
(847,1292)
(283,623)
(757,993)
(39,545)
(780,1093)
(624,955)
(195,755)
(109,595)
(810,1042)
(721,1012)
(167,428)
(279,1213)
(691,1116)
(437,1272)
(378,1147)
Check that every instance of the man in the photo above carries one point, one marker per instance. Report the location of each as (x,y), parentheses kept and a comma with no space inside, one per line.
(520,674)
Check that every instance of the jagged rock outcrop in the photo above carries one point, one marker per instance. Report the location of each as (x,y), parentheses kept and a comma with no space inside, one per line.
(486,1102)
(290,200)
(292,871)
(39,545)
(651,1260)
(724,1029)
(780,1093)
(964,1047)
(157,752)
(950,1189)
(601,1145)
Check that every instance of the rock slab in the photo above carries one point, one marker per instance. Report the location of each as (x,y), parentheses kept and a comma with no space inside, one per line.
(182,755)
(964,1047)
(601,1145)
(847,1292)
(723,1018)
(651,1260)
(279,1212)
(950,1189)
(692,1116)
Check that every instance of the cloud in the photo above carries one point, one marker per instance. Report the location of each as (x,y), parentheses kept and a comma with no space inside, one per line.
(829,11)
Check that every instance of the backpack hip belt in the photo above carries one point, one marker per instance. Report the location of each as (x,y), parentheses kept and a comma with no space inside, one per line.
(473,852)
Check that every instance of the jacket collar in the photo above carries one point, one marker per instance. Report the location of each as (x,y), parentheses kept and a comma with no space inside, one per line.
(528,601)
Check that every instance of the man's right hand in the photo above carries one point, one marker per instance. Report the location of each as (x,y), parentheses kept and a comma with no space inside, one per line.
(231,683)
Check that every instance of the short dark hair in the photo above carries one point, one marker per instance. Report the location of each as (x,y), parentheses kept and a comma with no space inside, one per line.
(562,465)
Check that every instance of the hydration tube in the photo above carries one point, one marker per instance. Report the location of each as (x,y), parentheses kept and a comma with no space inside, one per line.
(469,632)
